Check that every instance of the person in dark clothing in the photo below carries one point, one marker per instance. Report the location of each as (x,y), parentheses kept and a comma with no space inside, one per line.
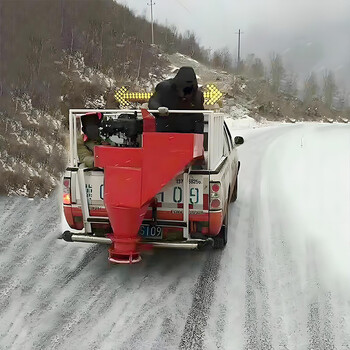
(89,139)
(179,93)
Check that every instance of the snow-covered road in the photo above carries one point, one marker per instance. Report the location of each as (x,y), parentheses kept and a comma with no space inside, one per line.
(283,281)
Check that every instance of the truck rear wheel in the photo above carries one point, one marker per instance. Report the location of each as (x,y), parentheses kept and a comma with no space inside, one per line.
(235,191)
(220,240)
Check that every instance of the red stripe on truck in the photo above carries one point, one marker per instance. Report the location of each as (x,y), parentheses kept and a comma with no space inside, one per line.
(205,201)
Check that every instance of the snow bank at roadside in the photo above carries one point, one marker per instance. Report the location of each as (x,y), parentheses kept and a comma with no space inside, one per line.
(245,122)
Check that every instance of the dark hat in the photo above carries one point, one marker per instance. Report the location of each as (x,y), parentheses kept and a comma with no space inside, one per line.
(90,125)
(186,80)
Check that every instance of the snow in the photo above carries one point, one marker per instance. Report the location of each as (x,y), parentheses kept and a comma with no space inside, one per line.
(97,103)
(244,122)
(29,137)
(281,283)
(205,75)
(317,166)
(86,74)
(291,242)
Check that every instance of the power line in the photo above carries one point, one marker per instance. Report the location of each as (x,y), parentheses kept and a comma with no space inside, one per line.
(181,4)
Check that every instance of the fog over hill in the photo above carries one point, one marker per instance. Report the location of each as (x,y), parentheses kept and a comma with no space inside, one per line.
(311,35)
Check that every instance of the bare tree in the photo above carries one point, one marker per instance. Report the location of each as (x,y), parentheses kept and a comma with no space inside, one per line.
(226,59)
(217,59)
(257,68)
(277,72)
(340,99)
(290,85)
(310,88)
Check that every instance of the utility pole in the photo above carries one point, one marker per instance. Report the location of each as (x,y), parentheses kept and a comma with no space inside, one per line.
(209,57)
(239,48)
(151,4)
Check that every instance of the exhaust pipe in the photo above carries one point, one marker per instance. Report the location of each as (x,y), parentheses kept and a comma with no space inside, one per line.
(190,244)
(71,237)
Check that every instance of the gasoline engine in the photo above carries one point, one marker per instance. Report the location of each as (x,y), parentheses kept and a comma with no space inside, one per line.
(124,131)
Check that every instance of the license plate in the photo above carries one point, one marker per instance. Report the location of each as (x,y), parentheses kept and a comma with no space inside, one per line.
(147,231)
(173,192)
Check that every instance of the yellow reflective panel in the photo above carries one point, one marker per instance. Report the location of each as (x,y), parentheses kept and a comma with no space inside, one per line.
(211,95)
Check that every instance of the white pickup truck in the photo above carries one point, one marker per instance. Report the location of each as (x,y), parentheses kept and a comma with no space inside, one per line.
(190,212)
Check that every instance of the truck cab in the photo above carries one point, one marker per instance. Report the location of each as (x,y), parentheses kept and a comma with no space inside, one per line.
(189,212)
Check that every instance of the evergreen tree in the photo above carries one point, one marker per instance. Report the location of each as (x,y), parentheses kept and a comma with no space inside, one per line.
(329,88)
(277,72)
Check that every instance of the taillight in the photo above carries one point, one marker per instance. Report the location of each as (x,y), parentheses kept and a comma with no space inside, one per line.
(215,202)
(66,192)
(215,187)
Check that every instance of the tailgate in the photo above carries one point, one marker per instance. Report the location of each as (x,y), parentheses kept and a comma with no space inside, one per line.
(94,189)
(170,198)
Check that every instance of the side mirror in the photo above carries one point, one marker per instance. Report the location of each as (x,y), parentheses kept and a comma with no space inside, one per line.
(239,140)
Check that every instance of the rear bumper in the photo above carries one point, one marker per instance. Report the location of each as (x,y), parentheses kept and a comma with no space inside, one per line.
(189,244)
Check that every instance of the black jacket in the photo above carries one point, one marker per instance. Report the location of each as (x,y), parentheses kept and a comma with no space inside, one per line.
(179,93)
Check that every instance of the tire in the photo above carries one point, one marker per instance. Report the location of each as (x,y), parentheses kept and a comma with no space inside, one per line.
(235,191)
(220,240)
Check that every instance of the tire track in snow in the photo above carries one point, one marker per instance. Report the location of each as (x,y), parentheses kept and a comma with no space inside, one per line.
(320,318)
(220,325)
(7,208)
(224,302)
(314,326)
(167,334)
(257,314)
(251,317)
(328,329)
(265,244)
(284,289)
(152,321)
(19,235)
(257,317)
(144,298)
(66,284)
(320,324)
(89,256)
(260,316)
(38,258)
(193,334)
(154,309)
(16,215)
(220,315)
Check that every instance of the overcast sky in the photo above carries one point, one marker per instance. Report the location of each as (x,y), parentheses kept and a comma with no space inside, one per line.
(311,34)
